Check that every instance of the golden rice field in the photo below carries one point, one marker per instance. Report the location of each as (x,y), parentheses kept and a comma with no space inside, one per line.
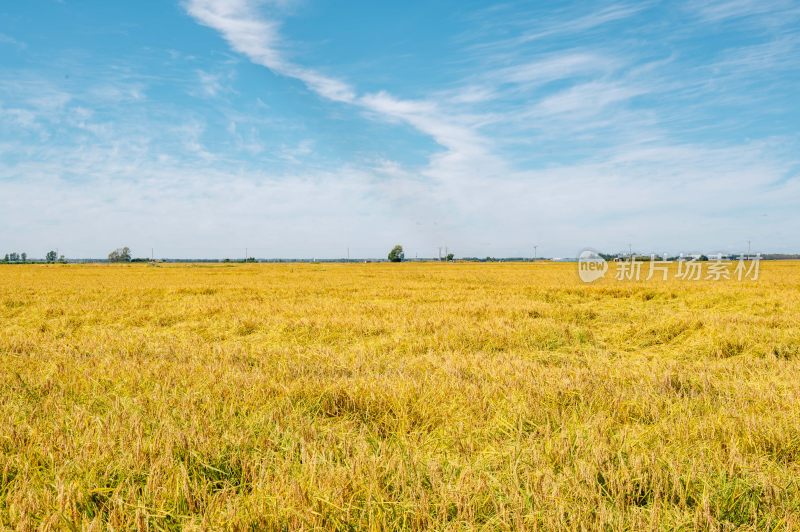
(373,396)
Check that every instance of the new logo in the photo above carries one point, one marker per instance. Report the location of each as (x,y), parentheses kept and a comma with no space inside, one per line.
(591,266)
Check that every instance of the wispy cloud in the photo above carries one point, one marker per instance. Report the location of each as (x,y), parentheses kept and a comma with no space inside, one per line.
(558,125)
(258,38)
(555,67)
(775,55)
(249,32)
(600,87)
(642,193)
(596,19)
(9,40)
(587,99)
(210,84)
(529,27)
(722,10)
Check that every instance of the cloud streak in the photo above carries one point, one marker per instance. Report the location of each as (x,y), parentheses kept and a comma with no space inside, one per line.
(258,38)
(601,88)
(249,32)
(562,130)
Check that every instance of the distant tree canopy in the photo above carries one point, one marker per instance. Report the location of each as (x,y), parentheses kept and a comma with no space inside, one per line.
(450,256)
(51,256)
(120,255)
(396,254)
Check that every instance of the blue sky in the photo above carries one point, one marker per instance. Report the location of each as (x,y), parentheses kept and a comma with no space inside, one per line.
(299,128)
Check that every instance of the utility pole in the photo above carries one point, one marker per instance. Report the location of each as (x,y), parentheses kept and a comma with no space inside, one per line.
(534,252)
(348,254)
(152,256)
(630,250)
(748,248)
(245,254)
(440,252)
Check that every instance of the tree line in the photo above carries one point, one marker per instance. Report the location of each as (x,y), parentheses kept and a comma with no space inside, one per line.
(50,256)
(118,255)
(123,254)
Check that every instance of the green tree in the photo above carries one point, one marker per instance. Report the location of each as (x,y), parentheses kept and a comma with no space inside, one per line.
(120,255)
(24,257)
(396,254)
(51,256)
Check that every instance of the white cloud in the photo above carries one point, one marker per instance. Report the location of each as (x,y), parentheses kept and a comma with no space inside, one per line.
(258,38)
(476,182)
(11,41)
(211,84)
(587,99)
(643,194)
(722,10)
(155,179)
(606,15)
(250,33)
(772,56)
(556,67)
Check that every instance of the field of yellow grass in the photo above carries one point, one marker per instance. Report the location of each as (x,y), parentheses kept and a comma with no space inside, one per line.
(442,396)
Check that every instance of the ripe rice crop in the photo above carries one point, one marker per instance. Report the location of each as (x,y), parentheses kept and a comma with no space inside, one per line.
(409,395)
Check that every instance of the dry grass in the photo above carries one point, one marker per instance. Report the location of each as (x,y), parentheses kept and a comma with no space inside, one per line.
(396,396)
